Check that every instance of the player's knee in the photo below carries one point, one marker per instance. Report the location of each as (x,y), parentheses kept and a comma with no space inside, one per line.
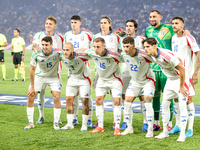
(85,102)
(190,100)
(99,100)
(116,101)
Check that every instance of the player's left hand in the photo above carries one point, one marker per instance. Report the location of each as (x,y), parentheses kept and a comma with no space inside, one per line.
(183,91)
(186,32)
(31,92)
(195,78)
(22,58)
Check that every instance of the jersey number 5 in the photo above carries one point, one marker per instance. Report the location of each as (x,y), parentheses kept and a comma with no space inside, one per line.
(49,65)
(133,67)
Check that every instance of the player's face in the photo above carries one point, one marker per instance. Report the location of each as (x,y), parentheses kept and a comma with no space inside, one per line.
(50,25)
(16,33)
(46,47)
(105,25)
(99,48)
(68,50)
(177,25)
(128,48)
(150,49)
(154,18)
(75,24)
(130,29)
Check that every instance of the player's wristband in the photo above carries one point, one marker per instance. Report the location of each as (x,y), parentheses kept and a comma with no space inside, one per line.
(12,53)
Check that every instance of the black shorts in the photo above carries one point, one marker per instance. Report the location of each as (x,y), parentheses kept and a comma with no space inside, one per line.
(17,58)
(1,55)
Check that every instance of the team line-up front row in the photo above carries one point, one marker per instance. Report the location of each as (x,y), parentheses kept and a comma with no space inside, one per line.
(107,61)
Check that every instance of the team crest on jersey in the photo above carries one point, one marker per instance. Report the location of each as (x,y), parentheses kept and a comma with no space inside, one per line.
(162,32)
(139,62)
(108,61)
(54,58)
(181,42)
(111,39)
(82,38)
(77,63)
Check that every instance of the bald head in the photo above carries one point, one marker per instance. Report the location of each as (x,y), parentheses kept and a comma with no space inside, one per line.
(68,50)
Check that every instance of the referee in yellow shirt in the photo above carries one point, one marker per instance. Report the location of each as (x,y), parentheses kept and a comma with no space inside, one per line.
(17,52)
(3,43)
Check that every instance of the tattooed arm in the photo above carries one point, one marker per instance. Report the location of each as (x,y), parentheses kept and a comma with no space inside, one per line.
(196,72)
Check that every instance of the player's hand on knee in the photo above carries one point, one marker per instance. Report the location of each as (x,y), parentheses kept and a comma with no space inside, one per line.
(183,91)
(31,92)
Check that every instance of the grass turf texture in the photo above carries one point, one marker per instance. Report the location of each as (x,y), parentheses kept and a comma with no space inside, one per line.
(13,119)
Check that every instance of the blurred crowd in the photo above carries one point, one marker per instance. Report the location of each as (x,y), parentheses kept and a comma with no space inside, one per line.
(29,16)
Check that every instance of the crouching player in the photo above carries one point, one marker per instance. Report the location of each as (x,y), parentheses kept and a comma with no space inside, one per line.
(79,78)
(48,60)
(176,85)
(142,83)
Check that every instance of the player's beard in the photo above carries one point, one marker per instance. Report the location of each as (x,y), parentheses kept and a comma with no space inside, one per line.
(155,24)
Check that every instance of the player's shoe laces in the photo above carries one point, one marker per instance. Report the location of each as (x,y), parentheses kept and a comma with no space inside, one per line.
(4,79)
(156,127)
(67,127)
(97,129)
(14,79)
(144,127)
(95,125)
(55,126)
(181,138)
(169,128)
(123,126)
(89,123)
(128,130)
(40,120)
(114,126)
(175,129)
(29,126)
(117,131)
(75,122)
(162,135)
(149,134)
(84,128)
(59,121)
(189,133)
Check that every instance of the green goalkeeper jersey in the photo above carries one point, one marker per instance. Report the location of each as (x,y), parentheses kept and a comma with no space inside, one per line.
(163,34)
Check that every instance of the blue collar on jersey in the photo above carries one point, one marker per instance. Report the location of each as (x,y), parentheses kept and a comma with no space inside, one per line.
(78,33)
(137,52)
(47,35)
(108,34)
(106,52)
(51,51)
(74,55)
(158,52)
(135,36)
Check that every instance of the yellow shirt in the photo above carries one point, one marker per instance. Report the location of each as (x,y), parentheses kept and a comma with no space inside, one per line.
(2,41)
(17,44)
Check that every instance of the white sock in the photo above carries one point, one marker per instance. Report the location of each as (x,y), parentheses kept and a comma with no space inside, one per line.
(165,114)
(90,107)
(70,118)
(57,112)
(113,108)
(76,106)
(177,113)
(41,103)
(183,116)
(170,123)
(117,115)
(84,121)
(143,110)
(122,109)
(150,115)
(30,112)
(100,115)
(127,113)
(191,111)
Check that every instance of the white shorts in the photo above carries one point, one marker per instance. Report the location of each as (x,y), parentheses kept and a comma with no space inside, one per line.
(135,89)
(115,85)
(125,78)
(74,84)
(171,90)
(53,82)
(191,88)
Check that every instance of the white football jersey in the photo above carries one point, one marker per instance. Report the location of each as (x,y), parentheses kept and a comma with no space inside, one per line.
(139,67)
(82,40)
(48,65)
(137,39)
(111,40)
(108,65)
(77,65)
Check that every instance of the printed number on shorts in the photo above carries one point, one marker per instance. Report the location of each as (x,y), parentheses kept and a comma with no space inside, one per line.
(102,65)
(133,67)
(76,44)
(49,65)
(129,85)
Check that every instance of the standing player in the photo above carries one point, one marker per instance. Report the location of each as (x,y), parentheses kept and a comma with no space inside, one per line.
(17,52)
(81,39)
(131,29)
(142,83)
(185,45)
(3,43)
(177,84)
(162,33)
(50,26)
(48,60)
(79,79)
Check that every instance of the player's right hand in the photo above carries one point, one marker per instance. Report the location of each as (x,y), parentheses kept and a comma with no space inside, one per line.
(31,92)
(183,91)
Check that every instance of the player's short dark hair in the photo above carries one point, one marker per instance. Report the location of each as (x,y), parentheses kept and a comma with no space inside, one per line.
(134,22)
(99,39)
(155,10)
(76,17)
(52,19)
(179,18)
(128,40)
(18,30)
(47,39)
(150,41)
(109,20)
